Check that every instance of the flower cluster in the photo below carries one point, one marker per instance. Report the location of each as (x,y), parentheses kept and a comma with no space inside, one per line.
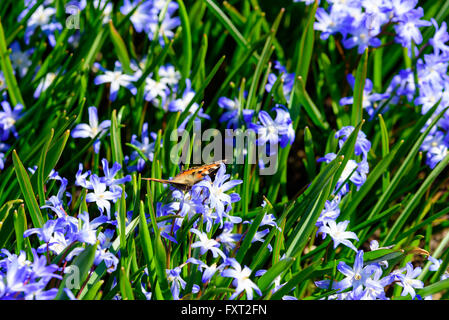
(367,281)
(208,199)
(135,162)
(362,23)
(68,235)
(103,189)
(286,81)
(156,18)
(432,87)
(355,172)
(370,100)
(21,279)
(271,132)
(8,118)
(43,18)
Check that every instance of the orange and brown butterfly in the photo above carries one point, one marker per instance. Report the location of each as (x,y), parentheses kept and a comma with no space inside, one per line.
(187,178)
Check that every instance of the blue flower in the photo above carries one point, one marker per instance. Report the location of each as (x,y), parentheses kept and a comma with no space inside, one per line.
(45,233)
(110,173)
(407,29)
(280,130)
(116,79)
(8,118)
(331,23)
(288,80)
(408,281)
(88,231)
(402,84)
(241,281)
(180,104)
(369,99)
(44,84)
(429,95)
(177,283)
(363,35)
(354,171)
(338,233)
(436,154)
(402,7)
(91,130)
(217,198)
(101,196)
(166,27)
(307,2)
(3,148)
(45,19)
(362,144)
(227,238)
(232,115)
(355,276)
(331,211)
(141,16)
(102,254)
(205,244)
(21,279)
(81,178)
(438,41)
(145,146)
(375,286)
(208,271)
(155,89)
(433,70)
(436,263)
(20,60)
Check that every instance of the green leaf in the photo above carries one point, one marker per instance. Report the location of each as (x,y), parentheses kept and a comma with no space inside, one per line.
(55,152)
(385,150)
(81,266)
(310,161)
(148,253)
(379,255)
(434,288)
(93,291)
(6,67)
(20,226)
(116,142)
(159,252)
(122,224)
(41,168)
(417,137)
(359,87)
(27,191)
(299,237)
(268,277)
(411,205)
(297,278)
(374,175)
(120,49)
(249,237)
(125,286)
(186,40)
(300,93)
(227,23)
(305,46)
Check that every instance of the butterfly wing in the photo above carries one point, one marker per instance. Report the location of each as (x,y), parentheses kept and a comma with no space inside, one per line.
(187,178)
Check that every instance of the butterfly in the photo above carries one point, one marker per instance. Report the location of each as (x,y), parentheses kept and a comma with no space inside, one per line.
(186,179)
